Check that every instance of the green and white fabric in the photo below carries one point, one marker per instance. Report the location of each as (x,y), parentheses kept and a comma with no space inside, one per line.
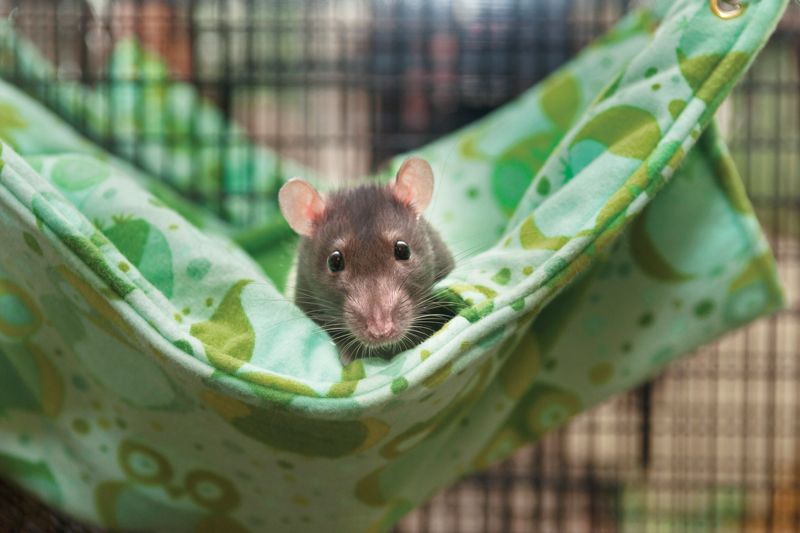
(161,124)
(152,377)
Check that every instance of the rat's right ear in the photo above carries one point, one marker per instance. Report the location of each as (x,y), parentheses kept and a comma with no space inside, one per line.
(301,205)
(413,185)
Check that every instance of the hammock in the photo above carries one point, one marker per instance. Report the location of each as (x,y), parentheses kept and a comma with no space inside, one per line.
(153,377)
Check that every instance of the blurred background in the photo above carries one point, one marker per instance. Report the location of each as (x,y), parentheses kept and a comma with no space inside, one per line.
(712,444)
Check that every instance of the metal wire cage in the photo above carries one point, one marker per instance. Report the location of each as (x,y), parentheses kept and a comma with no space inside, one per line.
(713,444)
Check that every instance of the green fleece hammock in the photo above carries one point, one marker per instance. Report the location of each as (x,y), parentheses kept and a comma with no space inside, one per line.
(153,378)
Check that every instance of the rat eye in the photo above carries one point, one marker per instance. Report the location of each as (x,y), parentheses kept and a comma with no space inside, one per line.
(336,261)
(402,251)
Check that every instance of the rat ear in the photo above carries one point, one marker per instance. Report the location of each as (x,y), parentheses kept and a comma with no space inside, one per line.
(413,184)
(301,205)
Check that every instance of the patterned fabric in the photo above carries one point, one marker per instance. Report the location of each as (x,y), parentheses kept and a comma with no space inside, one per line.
(153,378)
(161,124)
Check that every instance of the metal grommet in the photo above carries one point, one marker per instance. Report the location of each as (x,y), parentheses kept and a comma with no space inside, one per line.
(734,8)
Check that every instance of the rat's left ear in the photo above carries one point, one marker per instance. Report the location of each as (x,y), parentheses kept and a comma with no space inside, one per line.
(413,184)
(301,205)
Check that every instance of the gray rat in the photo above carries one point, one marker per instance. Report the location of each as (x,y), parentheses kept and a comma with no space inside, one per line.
(368,260)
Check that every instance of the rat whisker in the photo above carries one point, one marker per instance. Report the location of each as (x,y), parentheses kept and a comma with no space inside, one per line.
(430,316)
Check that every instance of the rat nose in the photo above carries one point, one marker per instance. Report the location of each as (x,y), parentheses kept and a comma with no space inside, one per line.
(380,325)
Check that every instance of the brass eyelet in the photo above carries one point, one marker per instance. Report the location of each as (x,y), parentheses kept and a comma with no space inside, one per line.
(736,8)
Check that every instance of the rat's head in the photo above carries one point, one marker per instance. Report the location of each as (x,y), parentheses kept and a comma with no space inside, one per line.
(366,269)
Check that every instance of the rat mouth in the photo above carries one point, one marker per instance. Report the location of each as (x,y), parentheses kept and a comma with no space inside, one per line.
(373,339)
(386,339)
(379,326)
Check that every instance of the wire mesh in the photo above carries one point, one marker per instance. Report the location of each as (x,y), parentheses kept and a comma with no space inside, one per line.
(712,444)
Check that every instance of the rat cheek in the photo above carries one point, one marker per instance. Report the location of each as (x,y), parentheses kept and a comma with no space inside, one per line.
(353,319)
(404,313)
(339,287)
(348,312)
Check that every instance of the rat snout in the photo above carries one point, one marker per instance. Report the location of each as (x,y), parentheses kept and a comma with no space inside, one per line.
(380,324)
(378,314)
